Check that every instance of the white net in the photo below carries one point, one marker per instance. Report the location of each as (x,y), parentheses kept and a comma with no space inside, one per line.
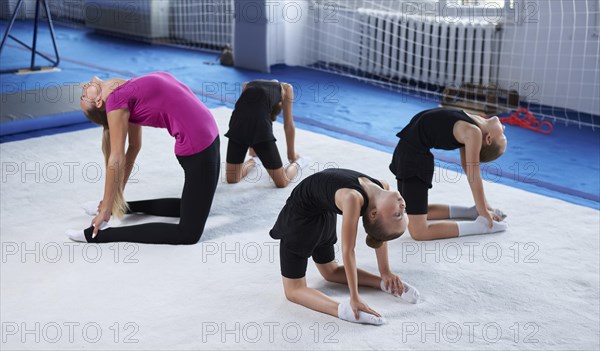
(486,55)
(476,54)
(64,11)
(202,24)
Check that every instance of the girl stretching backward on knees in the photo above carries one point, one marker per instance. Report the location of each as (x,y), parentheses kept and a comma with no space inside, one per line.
(479,140)
(251,127)
(307,227)
(159,100)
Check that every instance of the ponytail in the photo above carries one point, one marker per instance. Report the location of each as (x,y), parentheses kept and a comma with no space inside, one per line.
(97,116)
(119,206)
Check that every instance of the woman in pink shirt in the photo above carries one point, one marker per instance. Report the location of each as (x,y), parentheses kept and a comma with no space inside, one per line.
(154,100)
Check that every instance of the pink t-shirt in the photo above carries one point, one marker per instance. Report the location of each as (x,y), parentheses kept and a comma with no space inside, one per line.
(159,100)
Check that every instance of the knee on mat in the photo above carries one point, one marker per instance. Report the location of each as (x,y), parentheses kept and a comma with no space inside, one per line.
(191,238)
(418,233)
(232,180)
(291,295)
(282,186)
(328,274)
(418,238)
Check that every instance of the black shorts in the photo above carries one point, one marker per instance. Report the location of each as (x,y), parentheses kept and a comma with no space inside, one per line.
(408,162)
(303,235)
(293,266)
(267,153)
(414,191)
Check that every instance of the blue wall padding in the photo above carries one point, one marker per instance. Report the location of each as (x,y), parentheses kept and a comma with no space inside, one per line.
(50,131)
(39,123)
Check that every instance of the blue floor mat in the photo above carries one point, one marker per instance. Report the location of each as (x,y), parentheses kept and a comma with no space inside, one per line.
(565,164)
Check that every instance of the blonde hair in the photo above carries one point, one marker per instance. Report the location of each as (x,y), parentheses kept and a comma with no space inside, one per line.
(490,152)
(119,206)
(97,116)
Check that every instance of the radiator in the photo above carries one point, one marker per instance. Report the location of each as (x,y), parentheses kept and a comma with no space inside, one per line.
(427,50)
(148,19)
(205,23)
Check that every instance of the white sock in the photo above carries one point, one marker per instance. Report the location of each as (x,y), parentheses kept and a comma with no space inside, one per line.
(303,162)
(79,235)
(345,313)
(462,212)
(480,226)
(76,235)
(91,208)
(410,294)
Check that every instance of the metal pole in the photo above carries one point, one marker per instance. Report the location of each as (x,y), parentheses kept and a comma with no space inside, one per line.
(12,22)
(35,32)
(52,32)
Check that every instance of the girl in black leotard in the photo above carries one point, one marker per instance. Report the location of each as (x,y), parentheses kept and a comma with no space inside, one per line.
(307,227)
(479,140)
(251,127)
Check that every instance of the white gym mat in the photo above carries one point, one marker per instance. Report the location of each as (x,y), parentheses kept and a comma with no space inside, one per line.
(533,287)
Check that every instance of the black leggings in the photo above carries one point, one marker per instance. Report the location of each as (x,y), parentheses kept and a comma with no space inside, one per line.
(201,178)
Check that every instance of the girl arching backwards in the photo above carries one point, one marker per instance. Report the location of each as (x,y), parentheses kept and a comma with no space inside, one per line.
(158,100)
(307,227)
(251,127)
(479,140)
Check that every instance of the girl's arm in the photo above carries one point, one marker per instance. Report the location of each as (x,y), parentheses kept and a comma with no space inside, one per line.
(463,159)
(118,121)
(390,279)
(463,162)
(351,206)
(133,149)
(382,259)
(351,203)
(250,150)
(288,121)
(472,139)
